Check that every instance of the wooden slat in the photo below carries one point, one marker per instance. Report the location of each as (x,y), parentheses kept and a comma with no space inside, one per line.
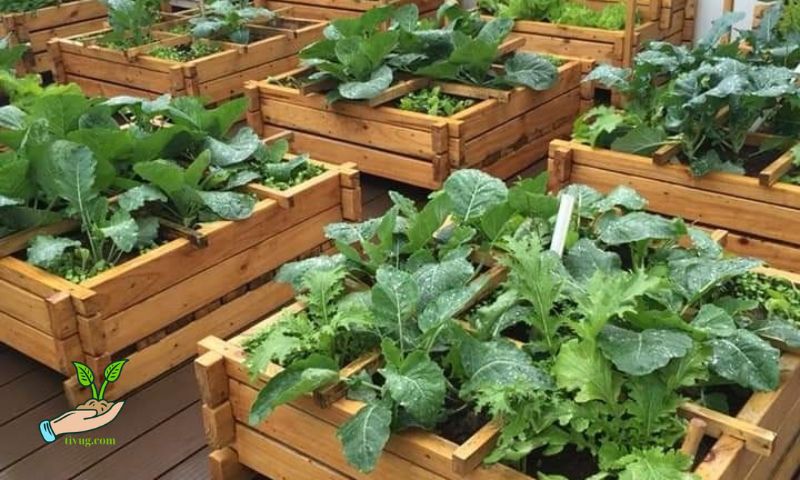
(278,461)
(155,452)
(757,439)
(27,392)
(26,438)
(20,240)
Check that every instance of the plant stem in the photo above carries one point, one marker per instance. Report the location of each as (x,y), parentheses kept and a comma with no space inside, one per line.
(94,392)
(102,389)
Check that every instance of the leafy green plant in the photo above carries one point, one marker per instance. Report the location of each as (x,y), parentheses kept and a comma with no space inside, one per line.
(611,338)
(110,375)
(433,102)
(131,22)
(361,57)
(706,100)
(229,19)
(185,53)
(611,17)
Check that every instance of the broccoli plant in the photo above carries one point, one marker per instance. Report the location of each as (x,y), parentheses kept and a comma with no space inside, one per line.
(131,22)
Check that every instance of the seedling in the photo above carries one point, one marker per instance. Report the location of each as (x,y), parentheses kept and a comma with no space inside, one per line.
(86,377)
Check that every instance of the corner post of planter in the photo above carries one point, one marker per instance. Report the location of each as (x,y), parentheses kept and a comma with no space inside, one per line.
(587,89)
(63,322)
(223,464)
(559,165)
(629,42)
(254,118)
(218,421)
(190,79)
(350,180)
(177,82)
(54,50)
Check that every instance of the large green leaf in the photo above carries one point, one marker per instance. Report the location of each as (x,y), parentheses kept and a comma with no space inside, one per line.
(62,112)
(418,385)
(636,226)
(379,81)
(12,118)
(14,179)
(640,353)
(655,464)
(530,70)
(299,379)
(497,364)
(395,298)
(45,250)
(777,329)
(434,279)
(473,192)
(747,360)
(234,151)
(580,366)
(643,140)
(73,167)
(692,277)
(365,434)
(136,197)
(166,175)
(585,258)
(123,230)
(294,272)
(714,321)
(229,205)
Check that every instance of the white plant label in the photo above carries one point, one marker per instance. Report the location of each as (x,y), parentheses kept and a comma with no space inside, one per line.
(565,209)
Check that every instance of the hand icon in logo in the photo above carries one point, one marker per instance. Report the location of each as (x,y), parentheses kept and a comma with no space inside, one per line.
(93,414)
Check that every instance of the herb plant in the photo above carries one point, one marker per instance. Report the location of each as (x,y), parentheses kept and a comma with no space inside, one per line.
(609,340)
(610,17)
(229,19)
(432,101)
(362,57)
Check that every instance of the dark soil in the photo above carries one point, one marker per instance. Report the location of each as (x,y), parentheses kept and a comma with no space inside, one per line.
(462,425)
(571,463)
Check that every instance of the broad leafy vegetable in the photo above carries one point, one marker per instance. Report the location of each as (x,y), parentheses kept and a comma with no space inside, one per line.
(594,351)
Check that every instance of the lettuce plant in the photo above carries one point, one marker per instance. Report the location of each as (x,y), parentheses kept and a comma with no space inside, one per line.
(612,337)
(610,17)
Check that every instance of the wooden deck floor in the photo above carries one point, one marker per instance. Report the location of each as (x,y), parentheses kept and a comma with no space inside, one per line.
(159,434)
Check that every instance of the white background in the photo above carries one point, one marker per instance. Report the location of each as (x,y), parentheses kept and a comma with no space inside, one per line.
(707,10)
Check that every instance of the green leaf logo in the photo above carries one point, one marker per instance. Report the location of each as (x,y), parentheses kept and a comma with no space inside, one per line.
(113,371)
(85,375)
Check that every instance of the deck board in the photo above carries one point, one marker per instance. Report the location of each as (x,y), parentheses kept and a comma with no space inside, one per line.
(194,466)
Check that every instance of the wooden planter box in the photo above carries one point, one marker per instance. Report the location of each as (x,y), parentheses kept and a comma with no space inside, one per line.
(333,9)
(39,26)
(749,446)
(504,132)
(762,214)
(665,20)
(216,77)
(154,308)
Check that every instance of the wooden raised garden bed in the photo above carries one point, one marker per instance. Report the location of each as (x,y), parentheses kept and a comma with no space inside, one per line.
(215,77)
(39,26)
(503,132)
(762,213)
(664,20)
(332,9)
(749,446)
(154,308)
